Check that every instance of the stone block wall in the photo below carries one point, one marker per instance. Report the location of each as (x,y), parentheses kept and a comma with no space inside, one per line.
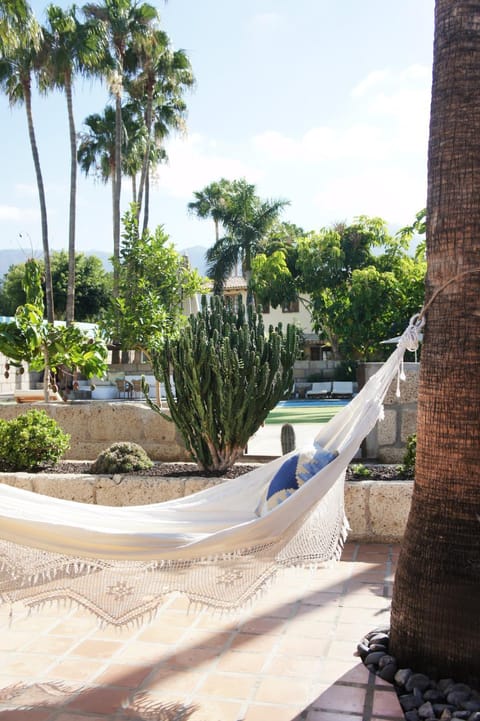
(386,443)
(95,425)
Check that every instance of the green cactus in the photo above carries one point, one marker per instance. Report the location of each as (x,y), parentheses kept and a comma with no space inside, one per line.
(228,373)
(287,438)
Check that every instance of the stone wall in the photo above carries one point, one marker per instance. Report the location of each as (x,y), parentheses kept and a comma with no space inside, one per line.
(387,441)
(95,425)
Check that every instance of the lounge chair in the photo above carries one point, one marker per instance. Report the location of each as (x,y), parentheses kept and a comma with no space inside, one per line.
(320,389)
(342,389)
(124,388)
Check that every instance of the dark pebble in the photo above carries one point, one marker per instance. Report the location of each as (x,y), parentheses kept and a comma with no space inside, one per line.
(411,715)
(458,697)
(379,647)
(417,680)
(386,660)
(426,710)
(439,708)
(402,675)
(475,716)
(408,702)
(461,714)
(374,657)
(363,650)
(471,705)
(382,638)
(388,672)
(446,684)
(434,695)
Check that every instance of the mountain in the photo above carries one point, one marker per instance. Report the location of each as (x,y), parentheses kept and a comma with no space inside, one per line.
(195,254)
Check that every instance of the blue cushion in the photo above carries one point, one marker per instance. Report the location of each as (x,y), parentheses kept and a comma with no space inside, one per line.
(283,483)
(311,461)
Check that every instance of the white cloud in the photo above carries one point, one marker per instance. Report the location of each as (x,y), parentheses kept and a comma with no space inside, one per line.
(195,162)
(389,193)
(14,213)
(376,77)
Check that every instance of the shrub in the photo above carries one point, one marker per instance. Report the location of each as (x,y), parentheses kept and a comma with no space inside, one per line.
(122,457)
(31,442)
(407,469)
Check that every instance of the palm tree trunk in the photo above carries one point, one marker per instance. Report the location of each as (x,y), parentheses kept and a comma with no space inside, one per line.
(43,205)
(70,305)
(146,209)
(435,610)
(117,189)
(146,157)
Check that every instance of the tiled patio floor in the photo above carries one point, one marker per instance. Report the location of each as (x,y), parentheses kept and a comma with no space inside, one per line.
(289,656)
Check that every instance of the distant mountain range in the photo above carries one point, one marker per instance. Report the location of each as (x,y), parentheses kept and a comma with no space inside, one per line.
(195,254)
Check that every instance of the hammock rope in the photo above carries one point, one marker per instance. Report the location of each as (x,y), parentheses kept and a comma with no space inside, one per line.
(220,546)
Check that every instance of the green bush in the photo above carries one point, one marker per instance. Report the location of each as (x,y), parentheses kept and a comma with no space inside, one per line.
(31,442)
(407,469)
(122,457)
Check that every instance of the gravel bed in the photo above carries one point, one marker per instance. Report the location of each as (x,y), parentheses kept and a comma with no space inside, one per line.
(422,698)
(172,470)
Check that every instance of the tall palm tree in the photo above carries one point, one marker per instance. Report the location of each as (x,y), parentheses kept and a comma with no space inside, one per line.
(72,47)
(247,220)
(157,80)
(436,601)
(211,203)
(13,17)
(124,23)
(17,65)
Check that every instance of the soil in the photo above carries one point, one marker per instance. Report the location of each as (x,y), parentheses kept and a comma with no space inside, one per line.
(355,472)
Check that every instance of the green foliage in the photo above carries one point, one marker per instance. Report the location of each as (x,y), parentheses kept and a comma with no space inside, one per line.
(92,286)
(360,471)
(407,469)
(29,338)
(122,457)
(31,442)
(228,374)
(154,280)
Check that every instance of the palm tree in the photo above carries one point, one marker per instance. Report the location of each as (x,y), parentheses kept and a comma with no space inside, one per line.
(157,80)
(71,47)
(435,618)
(13,17)
(17,64)
(247,220)
(211,203)
(124,23)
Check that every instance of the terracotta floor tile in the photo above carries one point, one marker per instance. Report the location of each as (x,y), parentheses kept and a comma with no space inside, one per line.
(101,700)
(342,649)
(321,715)
(167,679)
(76,627)
(252,642)
(385,702)
(215,710)
(264,625)
(76,716)
(12,640)
(204,638)
(143,652)
(283,689)
(54,645)
(25,715)
(270,712)
(322,613)
(74,669)
(125,675)
(228,686)
(193,657)
(286,665)
(311,628)
(27,665)
(97,648)
(341,698)
(162,633)
(303,646)
(241,662)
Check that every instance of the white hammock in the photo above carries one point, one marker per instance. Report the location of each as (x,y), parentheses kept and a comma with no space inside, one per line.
(214,546)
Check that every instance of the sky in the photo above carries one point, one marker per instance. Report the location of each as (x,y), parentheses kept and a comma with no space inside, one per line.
(324,104)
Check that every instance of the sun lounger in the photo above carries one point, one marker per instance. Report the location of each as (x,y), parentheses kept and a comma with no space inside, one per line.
(342,389)
(320,389)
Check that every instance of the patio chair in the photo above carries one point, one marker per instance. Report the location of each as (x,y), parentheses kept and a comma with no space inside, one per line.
(124,388)
(342,389)
(321,388)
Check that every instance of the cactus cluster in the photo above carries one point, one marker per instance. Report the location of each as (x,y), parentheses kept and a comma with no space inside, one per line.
(228,373)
